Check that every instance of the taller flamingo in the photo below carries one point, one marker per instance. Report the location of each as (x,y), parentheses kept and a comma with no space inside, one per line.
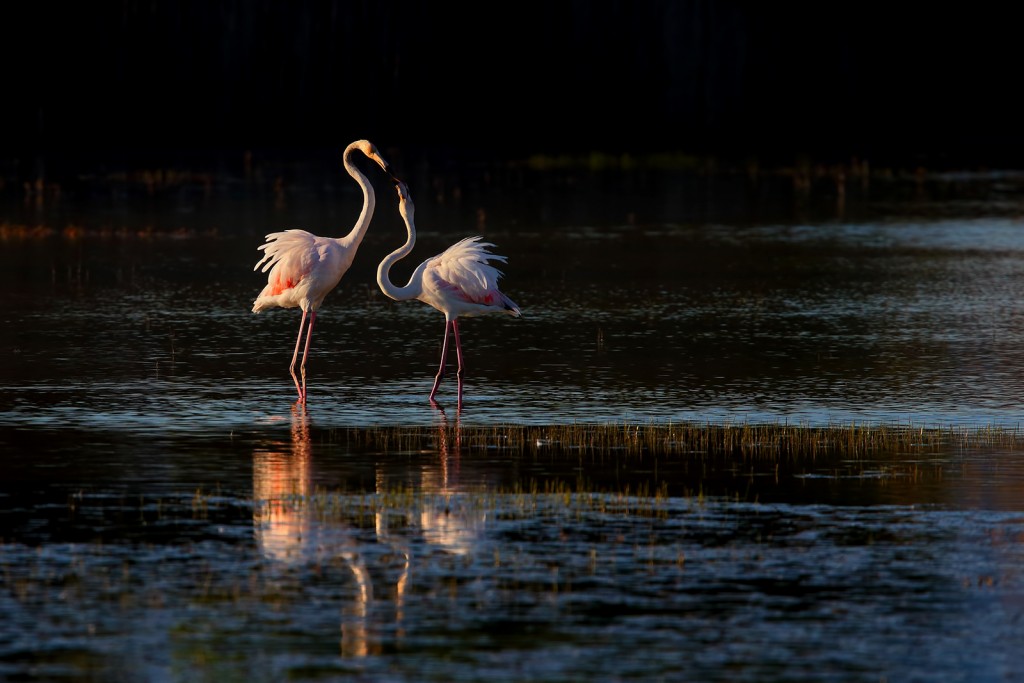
(459,282)
(304,267)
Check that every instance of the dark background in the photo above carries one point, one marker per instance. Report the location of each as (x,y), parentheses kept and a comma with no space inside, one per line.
(160,81)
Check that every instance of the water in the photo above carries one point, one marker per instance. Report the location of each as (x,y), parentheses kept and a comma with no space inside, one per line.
(289,553)
(168,513)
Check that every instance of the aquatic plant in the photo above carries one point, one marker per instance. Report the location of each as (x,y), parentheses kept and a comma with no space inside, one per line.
(744,441)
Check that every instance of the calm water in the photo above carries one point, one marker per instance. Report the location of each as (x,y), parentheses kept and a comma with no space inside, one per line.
(167,513)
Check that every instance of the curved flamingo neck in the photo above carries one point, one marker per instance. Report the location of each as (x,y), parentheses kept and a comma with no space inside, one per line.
(415,284)
(358,231)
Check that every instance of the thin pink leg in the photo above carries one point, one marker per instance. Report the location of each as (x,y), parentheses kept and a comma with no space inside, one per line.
(295,356)
(305,353)
(444,359)
(458,353)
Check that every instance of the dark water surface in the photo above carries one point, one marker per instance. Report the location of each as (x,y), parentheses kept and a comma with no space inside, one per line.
(141,317)
(168,513)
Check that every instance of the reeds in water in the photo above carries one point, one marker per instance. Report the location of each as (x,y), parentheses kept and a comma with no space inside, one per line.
(746,441)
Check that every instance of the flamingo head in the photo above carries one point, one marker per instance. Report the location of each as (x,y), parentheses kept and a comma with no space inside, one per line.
(405,204)
(371,151)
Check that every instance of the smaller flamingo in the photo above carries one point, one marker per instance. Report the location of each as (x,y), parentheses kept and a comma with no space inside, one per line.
(459,282)
(304,267)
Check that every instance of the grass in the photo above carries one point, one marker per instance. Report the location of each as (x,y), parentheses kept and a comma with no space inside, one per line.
(743,441)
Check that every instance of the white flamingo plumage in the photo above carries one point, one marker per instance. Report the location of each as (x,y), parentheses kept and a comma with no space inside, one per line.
(305,267)
(459,282)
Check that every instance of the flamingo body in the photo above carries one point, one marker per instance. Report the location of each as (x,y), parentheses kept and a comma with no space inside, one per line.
(459,282)
(305,268)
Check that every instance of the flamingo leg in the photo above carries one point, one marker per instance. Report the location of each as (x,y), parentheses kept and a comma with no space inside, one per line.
(295,356)
(444,359)
(305,353)
(458,354)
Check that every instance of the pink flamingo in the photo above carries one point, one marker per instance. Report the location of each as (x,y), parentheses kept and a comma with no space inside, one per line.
(458,282)
(304,267)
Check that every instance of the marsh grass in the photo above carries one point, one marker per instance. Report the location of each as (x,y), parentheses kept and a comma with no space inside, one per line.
(744,441)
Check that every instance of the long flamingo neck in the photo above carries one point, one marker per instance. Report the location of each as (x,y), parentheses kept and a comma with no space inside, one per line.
(414,286)
(358,232)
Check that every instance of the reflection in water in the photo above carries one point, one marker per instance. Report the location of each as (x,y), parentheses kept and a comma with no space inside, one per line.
(355,633)
(294,526)
(450,527)
(281,481)
(288,531)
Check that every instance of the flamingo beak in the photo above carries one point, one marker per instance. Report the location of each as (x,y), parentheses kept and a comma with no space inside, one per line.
(386,166)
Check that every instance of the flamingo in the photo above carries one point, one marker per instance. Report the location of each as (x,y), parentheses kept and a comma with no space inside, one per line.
(304,267)
(459,282)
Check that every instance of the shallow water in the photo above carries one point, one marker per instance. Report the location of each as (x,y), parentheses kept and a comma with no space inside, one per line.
(167,513)
(291,552)
(897,319)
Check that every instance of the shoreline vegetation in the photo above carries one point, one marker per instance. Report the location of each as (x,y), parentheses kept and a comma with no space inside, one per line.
(741,440)
(47,206)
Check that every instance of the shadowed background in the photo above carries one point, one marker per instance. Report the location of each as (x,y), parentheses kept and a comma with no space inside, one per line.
(161,81)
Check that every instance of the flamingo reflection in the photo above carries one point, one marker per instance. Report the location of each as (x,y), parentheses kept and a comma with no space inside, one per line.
(293,529)
(289,530)
(282,481)
(457,531)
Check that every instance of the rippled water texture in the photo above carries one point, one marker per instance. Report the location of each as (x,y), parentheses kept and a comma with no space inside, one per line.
(167,513)
(292,553)
(912,313)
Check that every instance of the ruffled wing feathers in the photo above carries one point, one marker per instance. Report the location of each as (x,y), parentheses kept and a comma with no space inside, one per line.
(290,247)
(466,264)
(463,272)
